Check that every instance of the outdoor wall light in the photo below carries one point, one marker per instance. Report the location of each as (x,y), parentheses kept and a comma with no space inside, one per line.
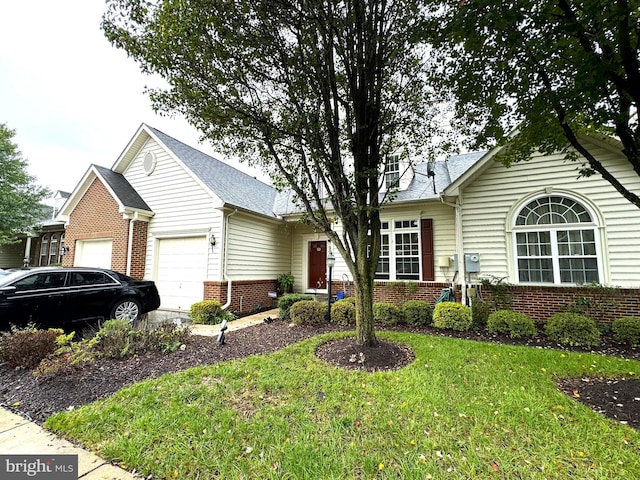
(212,240)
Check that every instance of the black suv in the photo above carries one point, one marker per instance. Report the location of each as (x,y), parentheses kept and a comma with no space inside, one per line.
(59,297)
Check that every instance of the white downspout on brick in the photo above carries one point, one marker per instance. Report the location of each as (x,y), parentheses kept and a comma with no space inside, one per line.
(225,258)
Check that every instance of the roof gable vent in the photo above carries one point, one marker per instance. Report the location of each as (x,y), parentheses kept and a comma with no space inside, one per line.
(149,163)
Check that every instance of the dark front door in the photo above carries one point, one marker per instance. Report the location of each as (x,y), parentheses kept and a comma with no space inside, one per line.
(317,265)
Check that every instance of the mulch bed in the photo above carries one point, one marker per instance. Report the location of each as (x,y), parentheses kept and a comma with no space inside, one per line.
(37,399)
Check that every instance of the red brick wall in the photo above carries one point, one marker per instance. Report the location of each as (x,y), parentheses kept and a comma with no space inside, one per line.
(97,217)
(600,303)
(245,295)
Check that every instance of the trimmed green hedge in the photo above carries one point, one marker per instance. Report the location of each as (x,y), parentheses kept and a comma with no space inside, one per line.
(572,329)
(286,301)
(452,315)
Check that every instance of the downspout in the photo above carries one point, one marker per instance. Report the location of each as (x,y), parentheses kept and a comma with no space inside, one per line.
(459,245)
(225,258)
(130,244)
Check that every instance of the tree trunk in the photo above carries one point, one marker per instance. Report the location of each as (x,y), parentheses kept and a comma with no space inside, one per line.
(365,335)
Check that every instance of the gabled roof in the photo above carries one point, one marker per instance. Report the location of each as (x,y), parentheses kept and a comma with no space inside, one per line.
(124,193)
(119,188)
(234,188)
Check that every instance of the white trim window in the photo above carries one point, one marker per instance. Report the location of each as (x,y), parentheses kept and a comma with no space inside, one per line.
(392,172)
(556,242)
(53,249)
(400,251)
(44,250)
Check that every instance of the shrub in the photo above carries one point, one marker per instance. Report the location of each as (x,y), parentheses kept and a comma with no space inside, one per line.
(207,312)
(286,301)
(479,313)
(165,338)
(514,324)
(308,312)
(26,347)
(417,312)
(386,313)
(343,312)
(452,315)
(117,339)
(627,330)
(69,356)
(572,329)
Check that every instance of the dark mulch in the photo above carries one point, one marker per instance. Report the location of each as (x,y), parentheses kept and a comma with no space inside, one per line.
(37,399)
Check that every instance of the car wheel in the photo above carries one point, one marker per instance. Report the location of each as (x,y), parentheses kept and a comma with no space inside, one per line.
(126,309)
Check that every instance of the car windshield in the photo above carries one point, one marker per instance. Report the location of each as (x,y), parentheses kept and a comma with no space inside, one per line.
(13,274)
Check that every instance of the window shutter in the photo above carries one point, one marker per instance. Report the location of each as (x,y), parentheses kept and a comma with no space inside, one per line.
(426,240)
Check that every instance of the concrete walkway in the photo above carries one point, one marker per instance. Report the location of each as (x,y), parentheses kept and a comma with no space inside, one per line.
(19,436)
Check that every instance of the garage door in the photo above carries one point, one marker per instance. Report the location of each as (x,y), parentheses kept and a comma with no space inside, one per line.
(182,269)
(93,253)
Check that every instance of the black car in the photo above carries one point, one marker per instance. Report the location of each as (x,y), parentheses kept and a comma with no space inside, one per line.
(60,297)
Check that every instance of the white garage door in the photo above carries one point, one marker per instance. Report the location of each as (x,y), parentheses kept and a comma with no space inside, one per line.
(182,269)
(93,253)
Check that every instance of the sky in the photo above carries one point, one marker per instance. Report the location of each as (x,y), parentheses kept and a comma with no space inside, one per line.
(72,98)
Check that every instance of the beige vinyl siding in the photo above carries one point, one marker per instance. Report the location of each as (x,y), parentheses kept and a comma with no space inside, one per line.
(490,199)
(257,249)
(12,255)
(181,205)
(443,231)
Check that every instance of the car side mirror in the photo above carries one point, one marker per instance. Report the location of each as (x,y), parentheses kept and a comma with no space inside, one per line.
(7,291)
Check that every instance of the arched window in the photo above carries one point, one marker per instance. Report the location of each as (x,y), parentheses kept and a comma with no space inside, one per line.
(44,250)
(556,242)
(61,249)
(53,249)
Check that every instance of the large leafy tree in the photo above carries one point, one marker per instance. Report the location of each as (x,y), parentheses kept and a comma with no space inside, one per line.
(319,92)
(548,70)
(20,196)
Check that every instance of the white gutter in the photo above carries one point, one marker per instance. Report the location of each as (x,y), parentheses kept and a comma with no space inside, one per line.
(225,234)
(459,245)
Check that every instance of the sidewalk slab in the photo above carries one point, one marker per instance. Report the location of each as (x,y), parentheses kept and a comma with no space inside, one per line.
(18,436)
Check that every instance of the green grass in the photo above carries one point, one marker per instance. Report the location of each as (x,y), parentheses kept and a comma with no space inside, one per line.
(462,409)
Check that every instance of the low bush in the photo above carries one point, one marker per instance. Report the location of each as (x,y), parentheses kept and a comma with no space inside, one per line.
(207,312)
(308,312)
(286,301)
(479,313)
(26,347)
(452,315)
(69,356)
(343,312)
(572,329)
(386,313)
(627,330)
(417,312)
(514,324)
(117,339)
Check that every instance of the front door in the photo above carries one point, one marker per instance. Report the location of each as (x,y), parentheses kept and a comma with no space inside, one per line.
(317,265)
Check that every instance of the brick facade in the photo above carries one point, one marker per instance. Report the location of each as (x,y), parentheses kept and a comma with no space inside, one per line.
(602,304)
(246,295)
(97,217)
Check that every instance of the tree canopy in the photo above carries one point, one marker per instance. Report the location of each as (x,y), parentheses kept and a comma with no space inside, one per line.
(548,70)
(20,196)
(320,93)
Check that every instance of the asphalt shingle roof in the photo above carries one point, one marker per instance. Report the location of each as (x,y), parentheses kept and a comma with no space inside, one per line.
(235,188)
(122,189)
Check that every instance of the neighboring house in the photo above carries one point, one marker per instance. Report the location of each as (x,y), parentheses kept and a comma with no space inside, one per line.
(203,230)
(43,245)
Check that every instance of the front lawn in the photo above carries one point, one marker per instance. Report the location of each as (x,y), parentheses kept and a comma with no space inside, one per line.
(462,409)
